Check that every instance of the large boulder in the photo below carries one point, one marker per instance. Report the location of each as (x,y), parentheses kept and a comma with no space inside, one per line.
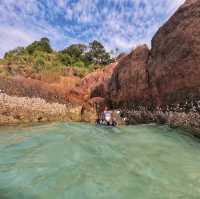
(174,67)
(130,80)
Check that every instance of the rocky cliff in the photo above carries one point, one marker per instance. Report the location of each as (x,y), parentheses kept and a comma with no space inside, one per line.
(129,83)
(96,84)
(162,84)
(169,72)
(174,66)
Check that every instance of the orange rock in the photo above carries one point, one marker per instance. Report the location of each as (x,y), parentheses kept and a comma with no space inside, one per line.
(174,66)
(129,82)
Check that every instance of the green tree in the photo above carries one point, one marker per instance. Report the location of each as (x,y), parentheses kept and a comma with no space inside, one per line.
(75,50)
(97,54)
(45,40)
(42,45)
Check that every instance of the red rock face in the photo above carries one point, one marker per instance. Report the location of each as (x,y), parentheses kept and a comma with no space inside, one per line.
(170,72)
(59,92)
(69,89)
(24,87)
(189,2)
(130,82)
(174,67)
(96,84)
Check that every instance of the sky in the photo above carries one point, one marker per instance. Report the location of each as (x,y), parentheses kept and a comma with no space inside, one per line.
(122,24)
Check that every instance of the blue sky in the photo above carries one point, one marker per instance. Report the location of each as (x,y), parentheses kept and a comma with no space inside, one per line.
(121,24)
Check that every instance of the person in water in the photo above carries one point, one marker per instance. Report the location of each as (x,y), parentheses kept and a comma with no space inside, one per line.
(107,115)
(107,118)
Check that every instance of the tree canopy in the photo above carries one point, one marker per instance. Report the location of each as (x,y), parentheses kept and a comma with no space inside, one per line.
(75,50)
(42,45)
(97,54)
(94,53)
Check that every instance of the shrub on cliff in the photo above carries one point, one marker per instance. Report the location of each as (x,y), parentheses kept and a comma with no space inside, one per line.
(42,45)
(82,71)
(15,52)
(2,71)
(65,59)
(79,64)
(39,64)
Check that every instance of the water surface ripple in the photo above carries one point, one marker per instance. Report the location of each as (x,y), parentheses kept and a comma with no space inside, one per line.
(81,161)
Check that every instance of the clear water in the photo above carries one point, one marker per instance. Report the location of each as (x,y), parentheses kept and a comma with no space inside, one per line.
(80,161)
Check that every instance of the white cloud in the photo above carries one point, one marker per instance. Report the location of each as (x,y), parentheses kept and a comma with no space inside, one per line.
(116,23)
(11,37)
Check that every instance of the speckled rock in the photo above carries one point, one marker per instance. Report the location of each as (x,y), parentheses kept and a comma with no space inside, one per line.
(14,110)
(174,67)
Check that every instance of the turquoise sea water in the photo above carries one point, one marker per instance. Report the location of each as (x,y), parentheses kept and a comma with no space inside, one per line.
(80,161)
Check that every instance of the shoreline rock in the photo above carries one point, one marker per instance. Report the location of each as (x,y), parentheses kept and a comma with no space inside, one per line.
(25,110)
(16,110)
(188,121)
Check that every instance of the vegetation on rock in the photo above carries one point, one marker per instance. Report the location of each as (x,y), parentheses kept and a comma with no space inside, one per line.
(40,58)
